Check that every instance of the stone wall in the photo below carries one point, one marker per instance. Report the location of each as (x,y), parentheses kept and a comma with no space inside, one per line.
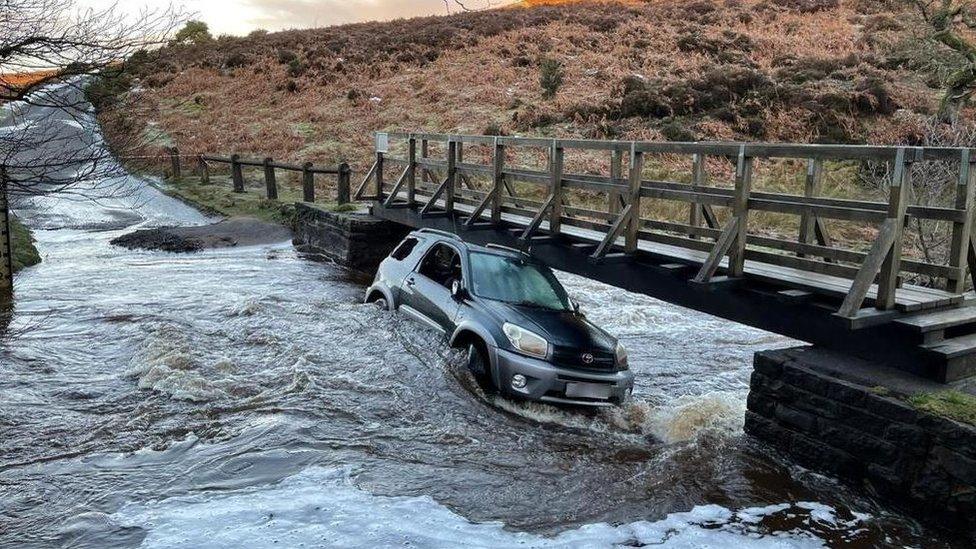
(355,240)
(845,417)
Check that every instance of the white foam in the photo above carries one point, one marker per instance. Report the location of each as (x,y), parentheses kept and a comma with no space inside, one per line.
(320,507)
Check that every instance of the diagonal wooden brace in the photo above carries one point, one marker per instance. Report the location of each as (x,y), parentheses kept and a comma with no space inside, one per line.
(362,186)
(869,269)
(482,206)
(618,226)
(722,246)
(396,188)
(437,194)
(537,220)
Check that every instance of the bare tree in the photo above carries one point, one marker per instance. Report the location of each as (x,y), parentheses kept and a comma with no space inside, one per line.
(946,17)
(51,51)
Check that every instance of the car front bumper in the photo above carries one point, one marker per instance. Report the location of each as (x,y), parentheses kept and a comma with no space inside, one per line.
(548,383)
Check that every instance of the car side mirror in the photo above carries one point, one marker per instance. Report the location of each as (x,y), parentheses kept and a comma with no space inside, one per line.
(457,292)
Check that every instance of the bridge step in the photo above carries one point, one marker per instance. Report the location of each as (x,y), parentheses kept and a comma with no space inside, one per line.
(939,320)
(953,348)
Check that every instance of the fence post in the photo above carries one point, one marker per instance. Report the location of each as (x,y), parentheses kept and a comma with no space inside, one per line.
(740,209)
(811,188)
(636,174)
(270,181)
(204,171)
(412,173)
(556,174)
(174,160)
(901,183)
(451,174)
(959,252)
(308,182)
(498,181)
(342,188)
(697,181)
(616,173)
(237,175)
(6,247)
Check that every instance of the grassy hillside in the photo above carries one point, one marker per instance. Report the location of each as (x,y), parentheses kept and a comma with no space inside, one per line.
(785,70)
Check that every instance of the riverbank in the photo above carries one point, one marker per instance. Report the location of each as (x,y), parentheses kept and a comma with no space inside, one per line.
(25,253)
(220,199)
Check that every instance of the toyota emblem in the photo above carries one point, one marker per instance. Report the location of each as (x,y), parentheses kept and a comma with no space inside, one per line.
(587,358)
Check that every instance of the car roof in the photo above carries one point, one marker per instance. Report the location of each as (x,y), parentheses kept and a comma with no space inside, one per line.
(494,249)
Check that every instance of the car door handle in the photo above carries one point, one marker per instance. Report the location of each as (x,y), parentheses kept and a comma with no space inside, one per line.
(411,282)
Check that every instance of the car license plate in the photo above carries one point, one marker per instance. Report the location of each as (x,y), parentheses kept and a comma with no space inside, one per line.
(587,390)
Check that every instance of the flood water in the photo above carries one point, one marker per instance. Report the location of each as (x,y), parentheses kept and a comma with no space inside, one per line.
(245,397)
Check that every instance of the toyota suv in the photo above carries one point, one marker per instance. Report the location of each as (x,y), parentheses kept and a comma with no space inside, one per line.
(524,337)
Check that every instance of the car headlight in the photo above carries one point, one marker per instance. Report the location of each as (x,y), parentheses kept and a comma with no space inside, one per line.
(525,341)
(621,353)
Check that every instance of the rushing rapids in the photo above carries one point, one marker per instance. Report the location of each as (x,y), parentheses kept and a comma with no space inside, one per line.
(245,396)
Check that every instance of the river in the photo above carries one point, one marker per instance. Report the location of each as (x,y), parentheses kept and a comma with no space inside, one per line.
(245,397)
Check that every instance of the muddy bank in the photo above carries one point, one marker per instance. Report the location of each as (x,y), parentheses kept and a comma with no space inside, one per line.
(236,231)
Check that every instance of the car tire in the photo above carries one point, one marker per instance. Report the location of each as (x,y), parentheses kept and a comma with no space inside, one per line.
(381,304)
(480,367)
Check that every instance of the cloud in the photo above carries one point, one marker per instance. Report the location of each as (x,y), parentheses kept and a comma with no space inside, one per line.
(283,14)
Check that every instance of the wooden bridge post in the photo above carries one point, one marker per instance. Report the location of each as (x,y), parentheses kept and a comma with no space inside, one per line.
(424,155)
(270,181)
(452,147)
(174,160)
(616,174)
(236,173)
(811,189)
(308,182)
(556,158)
(901,183)
(498,180)
(634,200)
(342,187)
(378,188)
(412,173)
(204,170)
(697,181)
(6,244)
(962,231)
(740,209)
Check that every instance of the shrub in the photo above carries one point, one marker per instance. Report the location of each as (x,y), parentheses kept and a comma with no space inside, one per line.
(286,56)
(807,6)
(644,102)
(676,131)
(193,32)
(551,77)
(296,68)
(237,60)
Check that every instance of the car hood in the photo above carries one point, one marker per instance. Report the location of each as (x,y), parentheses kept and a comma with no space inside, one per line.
(561,328)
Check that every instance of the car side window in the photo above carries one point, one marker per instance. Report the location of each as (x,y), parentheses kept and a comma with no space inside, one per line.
(404,249)
(442,264)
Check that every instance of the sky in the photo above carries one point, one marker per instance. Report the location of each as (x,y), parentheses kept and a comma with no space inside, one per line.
(243,16)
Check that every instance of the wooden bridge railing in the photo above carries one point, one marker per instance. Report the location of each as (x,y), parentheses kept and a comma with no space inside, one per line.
(308,170)
(718,240)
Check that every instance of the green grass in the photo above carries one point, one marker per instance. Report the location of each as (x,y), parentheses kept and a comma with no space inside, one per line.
(25,254)
(951,404)
(219,198)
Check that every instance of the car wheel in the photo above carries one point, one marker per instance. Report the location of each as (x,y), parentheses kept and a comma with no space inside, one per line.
(480,368)
(381,304)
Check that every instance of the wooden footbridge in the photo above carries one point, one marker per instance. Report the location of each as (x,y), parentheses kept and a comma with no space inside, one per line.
(703,244)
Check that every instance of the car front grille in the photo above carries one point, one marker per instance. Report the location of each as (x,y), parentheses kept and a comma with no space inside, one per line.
(573,358)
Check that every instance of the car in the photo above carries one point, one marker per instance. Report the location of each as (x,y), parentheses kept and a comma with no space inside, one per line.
(524,336)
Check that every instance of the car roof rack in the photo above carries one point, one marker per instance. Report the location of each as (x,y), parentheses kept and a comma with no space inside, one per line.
(426,230)
(505,248)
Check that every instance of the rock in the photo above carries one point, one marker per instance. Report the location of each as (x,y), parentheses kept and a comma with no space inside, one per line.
(236,231)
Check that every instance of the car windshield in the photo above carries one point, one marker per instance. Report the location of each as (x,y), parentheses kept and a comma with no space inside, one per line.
(516,281)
